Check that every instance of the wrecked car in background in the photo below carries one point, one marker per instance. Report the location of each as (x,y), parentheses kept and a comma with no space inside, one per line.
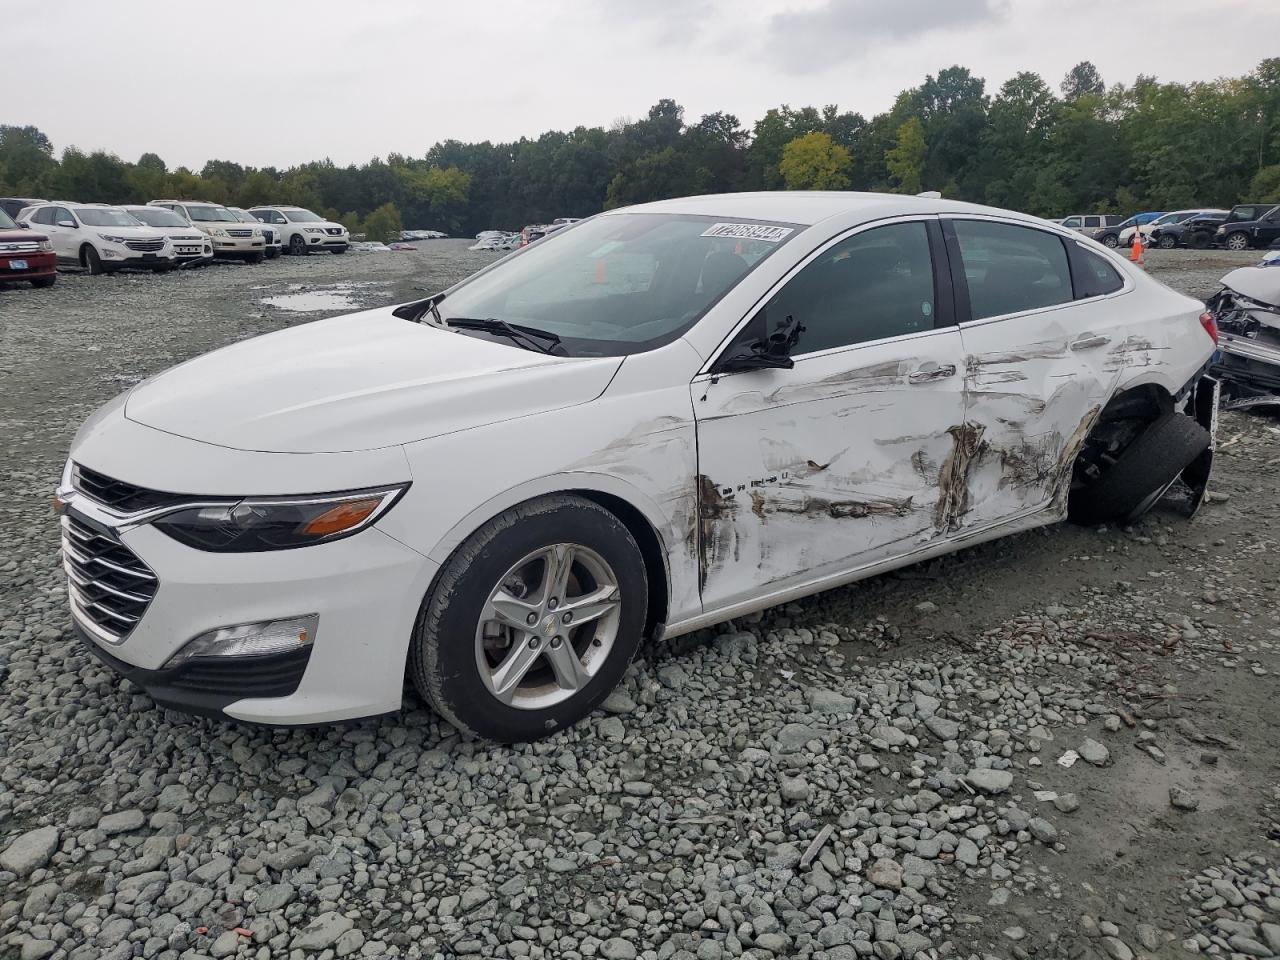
(655,420)
(1247,313)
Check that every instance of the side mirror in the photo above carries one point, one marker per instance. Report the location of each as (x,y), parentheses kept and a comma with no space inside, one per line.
(768,351)
(67,223)
(23,226)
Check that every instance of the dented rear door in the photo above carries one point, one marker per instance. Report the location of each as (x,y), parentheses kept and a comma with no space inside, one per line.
(840,462)
(1039,368)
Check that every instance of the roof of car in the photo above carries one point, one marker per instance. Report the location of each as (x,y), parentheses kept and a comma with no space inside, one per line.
(808,207)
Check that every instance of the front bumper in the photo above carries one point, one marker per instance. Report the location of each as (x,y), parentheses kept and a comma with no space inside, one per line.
(366,589)
(38,265)
(326,242)
(1249,369)
(236,247)
(124,257)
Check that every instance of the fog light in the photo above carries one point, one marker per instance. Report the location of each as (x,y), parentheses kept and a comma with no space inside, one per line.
(250,640)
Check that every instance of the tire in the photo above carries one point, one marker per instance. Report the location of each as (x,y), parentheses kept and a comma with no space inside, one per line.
(255,257)
(338,250)
(453,641)
(1142,472)
(1199,240)
(43,282)
(1111,240)
(1167,242)
(1237,241)
(272,252)
(92,262)
(297,245)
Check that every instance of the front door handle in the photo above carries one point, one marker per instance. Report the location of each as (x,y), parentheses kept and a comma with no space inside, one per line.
(1089,343)
(934,373)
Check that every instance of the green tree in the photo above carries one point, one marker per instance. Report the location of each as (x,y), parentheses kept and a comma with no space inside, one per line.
(1082,79)
(1266,185)
(905,162)
(815,162)
(383,224)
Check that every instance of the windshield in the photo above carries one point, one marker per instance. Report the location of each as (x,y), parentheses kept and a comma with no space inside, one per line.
(1176,217)
(100,217)
(212,215)
(6,222)
(244,217)
(620,283)
(158,217)
(301,216)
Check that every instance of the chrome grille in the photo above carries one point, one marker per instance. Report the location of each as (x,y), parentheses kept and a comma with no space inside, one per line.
(333,231)
(108,583)
(239,234)
(118,495)
(269,235)
(20,246)
(194,238)
(144,246)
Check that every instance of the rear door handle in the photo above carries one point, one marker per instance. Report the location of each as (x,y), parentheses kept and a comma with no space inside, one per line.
(935,373)
(1089,343)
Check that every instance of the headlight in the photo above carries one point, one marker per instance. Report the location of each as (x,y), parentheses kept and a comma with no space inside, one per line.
(110,239)
(217,232)
(256,232)
(1221,230)
(44,246)
(314,229)
(278,523)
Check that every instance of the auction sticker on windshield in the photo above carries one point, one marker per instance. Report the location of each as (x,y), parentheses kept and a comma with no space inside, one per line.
(748,231)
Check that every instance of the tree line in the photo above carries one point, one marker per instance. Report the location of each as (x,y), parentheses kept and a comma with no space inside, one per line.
(1085,147)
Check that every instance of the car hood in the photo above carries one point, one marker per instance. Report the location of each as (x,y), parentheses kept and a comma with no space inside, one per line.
(21,236)
(129,233)
(359,382)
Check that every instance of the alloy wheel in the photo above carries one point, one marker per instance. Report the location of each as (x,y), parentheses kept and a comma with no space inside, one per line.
(548,626)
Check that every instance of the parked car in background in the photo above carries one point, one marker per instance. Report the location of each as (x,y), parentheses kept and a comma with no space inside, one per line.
(232,240)
(100,238)
(25,254)
(1175,216)
(272,242)
(190,246)
(15,205)
(1249,225)
(296,524)
(1247,312)
(1169,234)
(1110,235)
(302,231)
(1198,232)
(1089,222)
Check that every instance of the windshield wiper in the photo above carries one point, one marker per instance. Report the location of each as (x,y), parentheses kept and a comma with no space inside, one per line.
(544,341)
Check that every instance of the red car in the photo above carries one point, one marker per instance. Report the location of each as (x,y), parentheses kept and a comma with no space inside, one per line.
(25,255)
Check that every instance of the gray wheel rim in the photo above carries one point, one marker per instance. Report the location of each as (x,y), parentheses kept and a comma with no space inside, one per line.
(1236,243)
(548,626)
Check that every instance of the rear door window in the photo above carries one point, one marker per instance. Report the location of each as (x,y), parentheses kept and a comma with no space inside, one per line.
(1010,268)
(1094,276)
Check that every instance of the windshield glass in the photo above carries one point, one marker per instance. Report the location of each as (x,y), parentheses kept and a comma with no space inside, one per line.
(1176,217)
(99,217)
(621,283)
(302,216)
(244,217)
(212,215)
(158,217)
(6,222)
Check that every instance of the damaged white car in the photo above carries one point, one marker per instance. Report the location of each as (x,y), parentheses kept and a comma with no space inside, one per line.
(651,421)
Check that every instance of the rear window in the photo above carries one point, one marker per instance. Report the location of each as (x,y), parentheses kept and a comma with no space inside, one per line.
(1011,268)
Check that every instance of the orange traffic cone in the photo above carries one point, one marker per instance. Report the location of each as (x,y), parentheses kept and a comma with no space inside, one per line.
(1135,254)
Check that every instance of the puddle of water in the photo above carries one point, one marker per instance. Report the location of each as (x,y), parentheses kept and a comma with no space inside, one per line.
(311,302)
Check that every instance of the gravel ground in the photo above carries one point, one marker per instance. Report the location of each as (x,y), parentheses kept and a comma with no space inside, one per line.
(1054,745)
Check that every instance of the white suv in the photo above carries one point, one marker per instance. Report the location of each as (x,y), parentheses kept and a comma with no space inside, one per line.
(302,231)
(100,238)
(190,246)
(231,239)
(273,246)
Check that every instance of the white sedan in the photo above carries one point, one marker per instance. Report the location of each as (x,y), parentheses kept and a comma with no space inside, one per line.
(651,421)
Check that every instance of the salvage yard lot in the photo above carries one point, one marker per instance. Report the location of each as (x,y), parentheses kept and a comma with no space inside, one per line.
(872,771)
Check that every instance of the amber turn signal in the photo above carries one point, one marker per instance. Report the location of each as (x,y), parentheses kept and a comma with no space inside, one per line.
(342,517)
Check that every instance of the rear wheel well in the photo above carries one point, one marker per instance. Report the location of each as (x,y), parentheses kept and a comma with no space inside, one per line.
(1122,421)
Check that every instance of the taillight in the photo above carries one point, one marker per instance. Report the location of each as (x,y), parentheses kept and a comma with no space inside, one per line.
(1210,324)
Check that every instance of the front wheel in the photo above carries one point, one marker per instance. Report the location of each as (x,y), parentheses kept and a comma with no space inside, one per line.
(1238,241)
(297,246)
(1111,240)
(532,621)
(92,262)
(1167,242)
(255,257)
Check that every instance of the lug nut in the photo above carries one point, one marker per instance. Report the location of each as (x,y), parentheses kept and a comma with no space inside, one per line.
(533,643)
(552,603)
(531,619)
(555,643)
(567,618)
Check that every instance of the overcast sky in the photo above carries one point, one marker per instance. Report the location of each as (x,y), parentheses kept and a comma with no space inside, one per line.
(278,82)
